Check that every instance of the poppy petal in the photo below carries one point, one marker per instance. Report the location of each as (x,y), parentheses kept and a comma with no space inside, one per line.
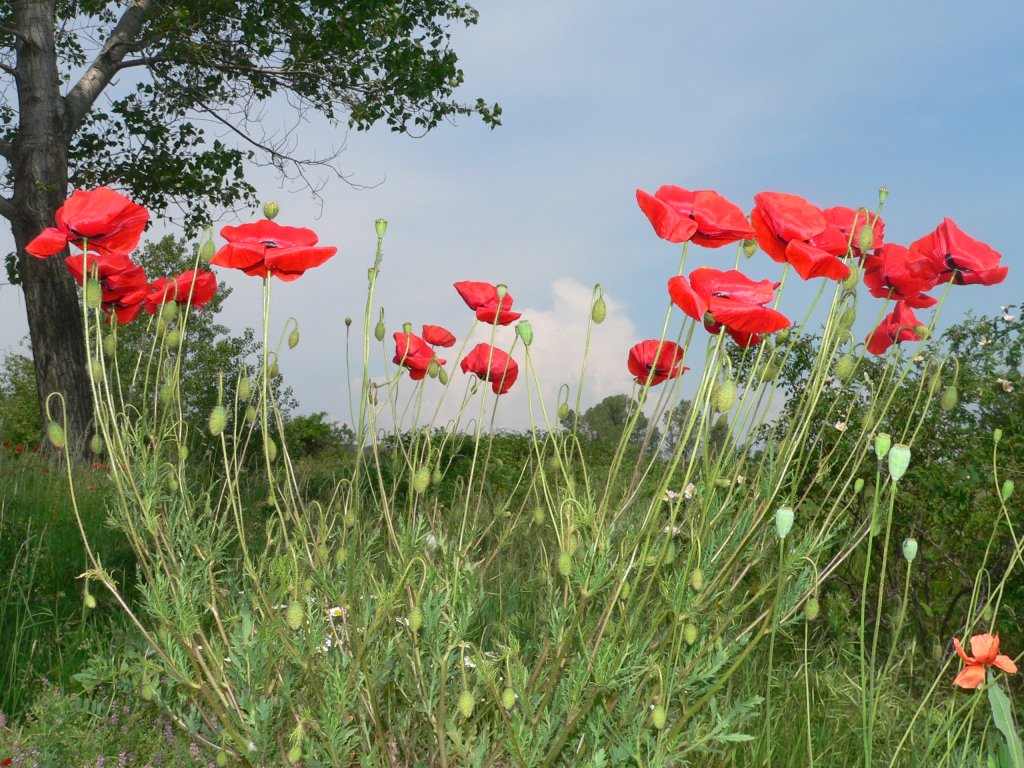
(970,676)
(686,298)
(669,213)
(48,242)
(296,260)
(1005,663)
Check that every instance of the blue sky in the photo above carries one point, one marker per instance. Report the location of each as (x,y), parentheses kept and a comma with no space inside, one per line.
(825,100)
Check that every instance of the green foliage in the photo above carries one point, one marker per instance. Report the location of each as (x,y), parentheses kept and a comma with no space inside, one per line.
(19,403)
(605,421)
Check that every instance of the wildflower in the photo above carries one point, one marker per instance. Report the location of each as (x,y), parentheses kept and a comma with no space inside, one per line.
(894,272)
(958,256)
(1008,318)
(670,495)
(840,425)
(703,216)
(264,248)
(899,325)
(658,360)
(436,336)
(741,479)
(493,365)
(982,341)
(850,222)
(105,221)
(790,229)
(733,300)
(194,287)
(483,299)
(689,491)
(414,354)
(985,648)
(1005,384)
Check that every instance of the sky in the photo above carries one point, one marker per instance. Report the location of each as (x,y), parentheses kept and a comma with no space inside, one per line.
(826,100)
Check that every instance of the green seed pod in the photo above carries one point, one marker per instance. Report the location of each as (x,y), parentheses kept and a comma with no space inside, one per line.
(850,281)
(172,338)
(563,410)
(147,692)
(844,367)
(812,608)
(784,521)
(883,442)
(294,614)
(93,294)
(271,449)
(295,754)
(690,633)
(182,453)
(599,311)
(436,477)
(244,388)
(749,247)
(55,433)
(109,345)
(96,444)
(910,549)
(949,398)
(381,226)
(466,704)
(997,435)
(96,369)
(508,698)
(273,370)
(421,479)
(415,618)
(847,318)
(293,338)
(502,290)
(858,485)
(168,311)
(525,332)
(723,395)
(270,210)
(659,716)
(697,579)
(564,563)
(866,238)
(218,420)
(1007,490)
(90,601)
(899,460)
(883,193)
(250,414)
(349,518)
(166,393)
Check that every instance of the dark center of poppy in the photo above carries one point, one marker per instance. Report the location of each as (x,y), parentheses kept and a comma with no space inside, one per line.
(270,244)
(956,269)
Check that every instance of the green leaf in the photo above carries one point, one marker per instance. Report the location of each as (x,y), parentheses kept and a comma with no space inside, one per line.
(1002,715)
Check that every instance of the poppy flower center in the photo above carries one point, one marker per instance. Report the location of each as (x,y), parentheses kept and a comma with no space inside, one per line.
(270,244)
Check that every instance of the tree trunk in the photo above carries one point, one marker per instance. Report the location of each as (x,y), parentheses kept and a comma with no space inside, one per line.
(40,165)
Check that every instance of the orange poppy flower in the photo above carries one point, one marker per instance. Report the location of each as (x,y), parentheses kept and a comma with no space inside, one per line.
(986,654)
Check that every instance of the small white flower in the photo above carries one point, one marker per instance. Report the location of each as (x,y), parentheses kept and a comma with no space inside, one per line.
(689,491)
(670,495)
(741,479)
(402,621)
(982,341)
(672,530)
(919,358)
(1008,318)
(829,379)
(1005,384)
(431,542)
(468,662)
(840,425)
(336,611)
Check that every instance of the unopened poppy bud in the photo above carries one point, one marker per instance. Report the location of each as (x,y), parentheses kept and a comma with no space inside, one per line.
(271,449)
(538,516)
(221,759)
(858,485)
(883,193)
(466,704)
(218,420)
(293,338)
(96,444)
(250,414)
(147,692)
(749,247)
(442,376)
(899,460)
(563,410)
(55,433)
(883,442)
(173,337)
(379,330)
(812,608)
(659,716)
(274,369)
(207,251)
(782,335)
(168,311)
(244,388)
(183,453)
(93,294)
(950,397)
(784,521)
(294,614)
(96,369)
(1007,490)
(910,549)
(599,311)
(690,633)
(109,345)
(697,579)
(922,332)
(415,618)
(433,369)
(770,370)
(381,225)
(844,366)
(847,318)
(525,332)
(851,280)
(564,563)
(436,477)
(295,754)
(90,601)
(421,479)
(271,209)
(166,393)
(866,238)
(508,698)
(997,435)
(502,290)
(723,395)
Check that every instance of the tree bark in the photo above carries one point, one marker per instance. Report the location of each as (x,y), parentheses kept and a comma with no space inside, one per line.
(40,165)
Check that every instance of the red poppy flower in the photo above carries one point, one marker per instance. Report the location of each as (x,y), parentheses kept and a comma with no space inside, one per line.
(985,648)
(483,299)
(732,299)
(6,443)
(703,216)
(850,222)
(957,255)
(19,449)
(123,282)
(662,358)
(265,248)
(893,272)
(109,221)
(6,761)
(899,325)
(194,287)
(414,354)
(493,365)
(790,229)
(436,336)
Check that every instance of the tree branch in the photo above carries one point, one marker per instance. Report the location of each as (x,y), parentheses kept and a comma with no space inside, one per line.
(108,61)
(6,150)
(7,209)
